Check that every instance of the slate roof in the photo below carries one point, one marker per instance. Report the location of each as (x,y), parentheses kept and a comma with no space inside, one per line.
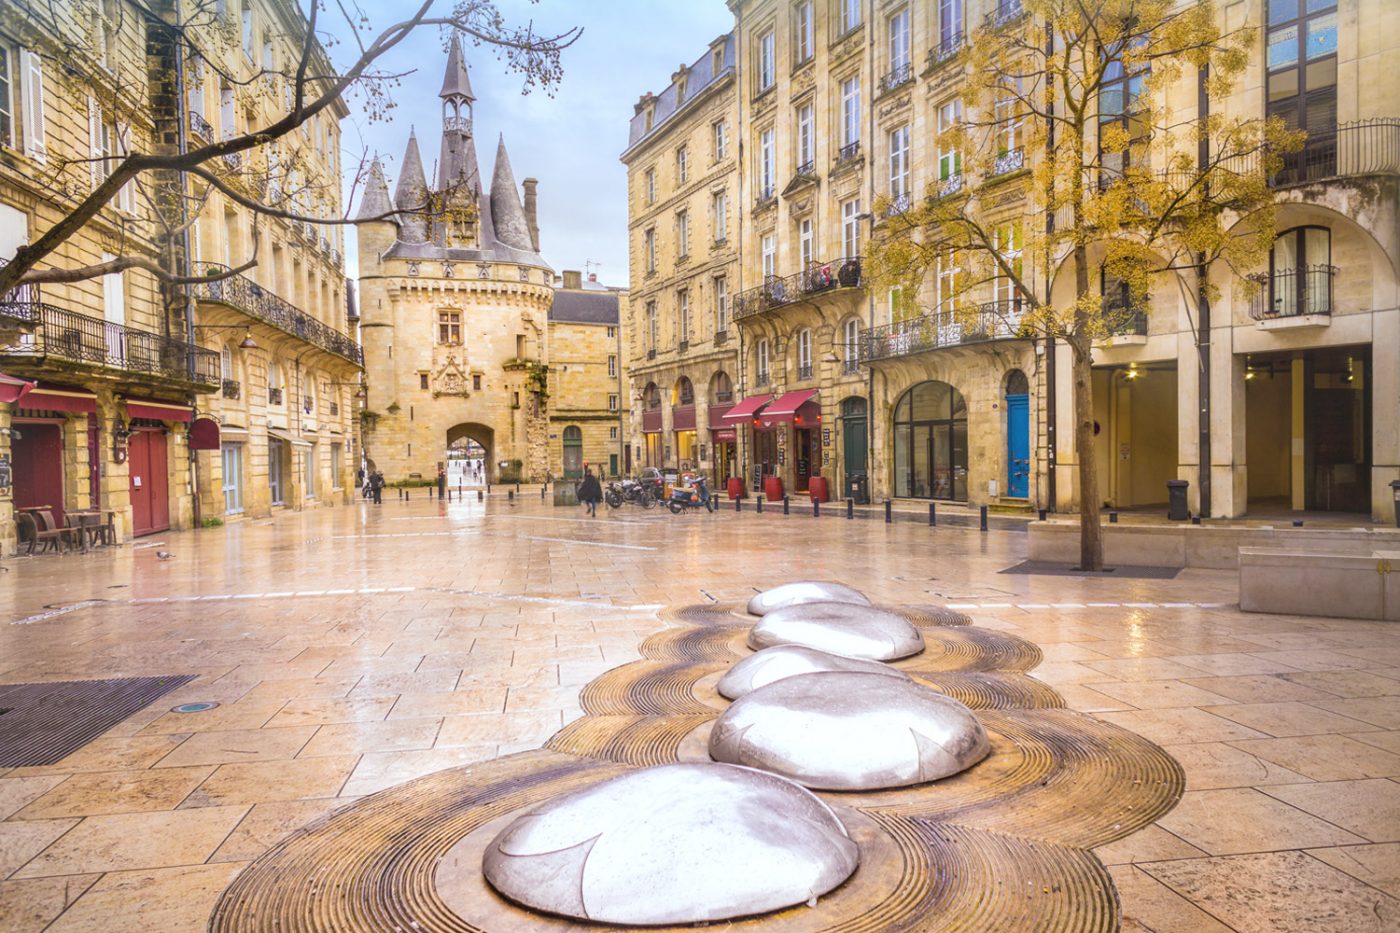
(584,307)
(700,76)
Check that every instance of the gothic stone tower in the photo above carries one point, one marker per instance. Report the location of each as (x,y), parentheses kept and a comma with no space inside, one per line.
(454,305)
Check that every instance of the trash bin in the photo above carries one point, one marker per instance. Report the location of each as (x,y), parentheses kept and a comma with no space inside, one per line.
(1395,494)
(1176,500)
(816,488)
(773,488)
(735,488)
(858,489)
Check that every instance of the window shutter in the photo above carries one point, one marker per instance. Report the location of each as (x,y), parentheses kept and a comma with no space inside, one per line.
(126,197)
(32,80)
(96,170)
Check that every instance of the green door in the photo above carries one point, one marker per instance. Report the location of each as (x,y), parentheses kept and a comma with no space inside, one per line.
(855,446)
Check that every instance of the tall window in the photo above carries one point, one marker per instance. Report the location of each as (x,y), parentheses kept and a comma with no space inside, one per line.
(649,185)
(7,103)
(612,365)
(804,32)
(721,293)
(248,29)
(806,237)
(949,158)
(1006,239)
(769,250)
(30,103)
(949,26)
(762,362)
(851,344)
(719,211)
(682,164)
(1300,272)
(767,157)
(651,326)
(310,464)
(850,15)
(899,40)
(450,328)
(850,111)
(946,283)
(1120,104)
(806,137)
(1008,128)
(683,234)
(721,135)
(804,354)
(850,227)
(767,60)
(650,249)
(1301,60)
(683,315)
(896,305)
(899,163)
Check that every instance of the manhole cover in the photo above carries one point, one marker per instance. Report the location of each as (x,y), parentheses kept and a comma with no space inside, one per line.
(192,707)
(44,722)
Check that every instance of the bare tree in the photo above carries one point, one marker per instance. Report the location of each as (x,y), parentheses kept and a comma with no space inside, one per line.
(1068,156)
(175,181)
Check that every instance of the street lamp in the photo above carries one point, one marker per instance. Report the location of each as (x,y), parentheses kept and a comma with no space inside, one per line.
(247,343)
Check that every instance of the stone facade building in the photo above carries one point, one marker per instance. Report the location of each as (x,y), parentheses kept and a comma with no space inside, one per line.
(122,396)
(588,378)
(842,103)
(456,310)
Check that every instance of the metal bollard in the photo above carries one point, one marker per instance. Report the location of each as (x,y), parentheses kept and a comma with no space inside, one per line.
(510,494)
(759,500)
(816,508)
(983,512)
(738,503)
(932,515)
(1113,517)
(1042,514)
(889,515)
(517,487)
(541,493)
(480,495)
(850,507)
(785,505)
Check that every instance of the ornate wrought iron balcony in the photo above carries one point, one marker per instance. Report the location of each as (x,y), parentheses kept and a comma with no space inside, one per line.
(1005,13)
(231,388)
(992,321)
(247,296)
(946,49)
(897,76)
(201,127)
(899,203)
(1009,161)
(804,371)
(848,152)
(777,291)
(48,332)
(1286,293)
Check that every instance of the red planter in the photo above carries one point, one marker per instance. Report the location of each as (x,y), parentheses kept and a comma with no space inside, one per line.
(773,488)
(816,488)
(735,487)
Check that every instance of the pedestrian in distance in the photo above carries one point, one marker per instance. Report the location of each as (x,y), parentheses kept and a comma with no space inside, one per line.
(590,491)
(376,485)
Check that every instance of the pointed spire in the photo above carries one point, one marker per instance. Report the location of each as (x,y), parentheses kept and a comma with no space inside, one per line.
(455,82)
(375,203)
(411,193)
(507,213)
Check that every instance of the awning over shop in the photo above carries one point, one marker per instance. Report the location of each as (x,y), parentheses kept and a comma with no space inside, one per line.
(160,411)
(787,405)
(746,409)
(651,421)
(292,439)
(78,401)
(717,413)
(683,418)
(204,434)
(13,390)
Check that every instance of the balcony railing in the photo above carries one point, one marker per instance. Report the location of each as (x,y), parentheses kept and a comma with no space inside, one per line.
(806,168)
(252,299)
(899,203)
(992,321)
(947,48)
(1005,13)
(761,379)
(201,127)
(274,396)
(1366,147)
(1289,293)
(51,332)
(804,371)
(1010,161)
(851,364)
(651,354)
(896,77)
(231,389)
(949,186)
(1125,321)
(721,337)
(723,398)
(780,290)
(848,152)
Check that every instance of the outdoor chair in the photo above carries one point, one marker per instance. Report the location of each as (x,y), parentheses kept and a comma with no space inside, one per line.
(30,533)
(66,537)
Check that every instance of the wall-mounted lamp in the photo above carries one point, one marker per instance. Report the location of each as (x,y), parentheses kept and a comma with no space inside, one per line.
(247,343)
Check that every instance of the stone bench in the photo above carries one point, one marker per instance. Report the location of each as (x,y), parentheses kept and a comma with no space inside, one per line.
(1351,582)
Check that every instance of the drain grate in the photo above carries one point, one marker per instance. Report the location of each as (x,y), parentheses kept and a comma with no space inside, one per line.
(44,722)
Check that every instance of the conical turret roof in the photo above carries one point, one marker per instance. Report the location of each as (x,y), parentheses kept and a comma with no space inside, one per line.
(455,82)
(375,203)
(411,194)
(507,213)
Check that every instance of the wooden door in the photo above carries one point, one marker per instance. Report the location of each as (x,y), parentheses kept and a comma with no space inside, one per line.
(150,482)
(37,467)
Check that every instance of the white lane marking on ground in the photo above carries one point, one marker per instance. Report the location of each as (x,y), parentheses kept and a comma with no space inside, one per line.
(625,547)
(1087,605)
(581,521)
(58,611)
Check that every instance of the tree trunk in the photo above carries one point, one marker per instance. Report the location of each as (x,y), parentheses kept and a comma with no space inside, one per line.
(1090,531)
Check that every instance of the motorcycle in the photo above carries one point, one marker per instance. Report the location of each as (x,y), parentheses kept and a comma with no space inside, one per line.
(694,497)
(628,491)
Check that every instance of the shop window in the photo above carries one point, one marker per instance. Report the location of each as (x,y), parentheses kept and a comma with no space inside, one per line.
(930,443)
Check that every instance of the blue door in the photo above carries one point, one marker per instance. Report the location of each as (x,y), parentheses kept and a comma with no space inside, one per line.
(1018,446)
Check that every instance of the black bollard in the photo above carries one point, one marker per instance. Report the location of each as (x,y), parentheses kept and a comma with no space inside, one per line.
(1113,517)
(816,508)
(983,511)
(517,487)
(850,508)
(932,515)
(1297,523)
(1042,515)
(510,494)
(541,493)
(889,515)
(480,495)
(785,505)
(759,499)
(1196,520)
(738,503)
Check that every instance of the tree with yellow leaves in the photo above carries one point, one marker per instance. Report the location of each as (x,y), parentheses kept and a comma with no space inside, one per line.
(1087,147)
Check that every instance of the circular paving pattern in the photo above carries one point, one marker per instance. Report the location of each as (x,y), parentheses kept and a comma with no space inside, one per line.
(1003,845)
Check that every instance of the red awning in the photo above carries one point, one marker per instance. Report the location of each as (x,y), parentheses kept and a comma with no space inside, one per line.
(204,434)
(717,413)
(74,400)
(13,390)
(651,421)
(683,418)
(746,409)
(785,408)
(160,411)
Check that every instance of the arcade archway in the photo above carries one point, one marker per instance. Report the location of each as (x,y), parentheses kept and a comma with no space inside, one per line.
(470,454)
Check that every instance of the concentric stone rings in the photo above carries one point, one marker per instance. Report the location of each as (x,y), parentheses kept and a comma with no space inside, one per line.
(774,664)
(850,731)
(793,594)
(839,628)
(682,843)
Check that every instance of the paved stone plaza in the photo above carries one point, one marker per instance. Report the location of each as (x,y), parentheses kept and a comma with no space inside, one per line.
(351,650)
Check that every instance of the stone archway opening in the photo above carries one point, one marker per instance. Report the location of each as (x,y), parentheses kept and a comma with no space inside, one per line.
(470,456)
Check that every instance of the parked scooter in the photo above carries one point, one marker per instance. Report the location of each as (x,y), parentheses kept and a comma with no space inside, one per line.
(693,497)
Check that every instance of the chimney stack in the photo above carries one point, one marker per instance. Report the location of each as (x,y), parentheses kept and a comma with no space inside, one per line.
(530,217)
(573,279)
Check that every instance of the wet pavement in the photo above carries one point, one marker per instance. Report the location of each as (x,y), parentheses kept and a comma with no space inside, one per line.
(352,649)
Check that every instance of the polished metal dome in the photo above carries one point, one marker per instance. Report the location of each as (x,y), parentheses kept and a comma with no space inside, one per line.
(682,843)
(772,664)
(839,628)
(793,594)
(850,731)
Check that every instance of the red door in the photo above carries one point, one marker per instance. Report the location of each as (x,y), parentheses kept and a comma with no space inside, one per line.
(37,455)
(150,482)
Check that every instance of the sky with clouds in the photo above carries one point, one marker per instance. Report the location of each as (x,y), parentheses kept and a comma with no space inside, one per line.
(570,141)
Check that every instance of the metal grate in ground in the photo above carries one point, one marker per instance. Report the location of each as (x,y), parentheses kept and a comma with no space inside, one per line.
(44,722)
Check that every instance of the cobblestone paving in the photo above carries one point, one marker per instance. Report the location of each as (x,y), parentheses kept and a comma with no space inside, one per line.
(350,650)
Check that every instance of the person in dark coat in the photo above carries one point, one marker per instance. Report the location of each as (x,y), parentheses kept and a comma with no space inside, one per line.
(590,491)
(376,485)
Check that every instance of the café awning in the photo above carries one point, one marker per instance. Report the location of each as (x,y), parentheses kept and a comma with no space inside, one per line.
(290,438)
(78,401)
(13,390)
(746,409)
(204,434)
(158,410)
(787,405)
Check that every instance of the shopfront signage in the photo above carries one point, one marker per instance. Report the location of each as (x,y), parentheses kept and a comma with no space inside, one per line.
(5,473)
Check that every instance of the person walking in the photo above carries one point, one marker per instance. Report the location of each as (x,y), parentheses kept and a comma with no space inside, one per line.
(376,485)
(590,491)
